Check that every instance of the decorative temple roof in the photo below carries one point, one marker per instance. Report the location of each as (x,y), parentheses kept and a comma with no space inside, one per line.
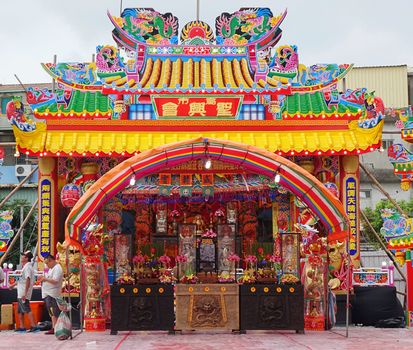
(399,156)
(160,86)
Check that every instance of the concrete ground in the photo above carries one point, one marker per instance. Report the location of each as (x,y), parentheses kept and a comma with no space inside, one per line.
(363,338)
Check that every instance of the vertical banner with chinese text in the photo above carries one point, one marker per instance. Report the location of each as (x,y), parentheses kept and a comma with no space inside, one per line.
(351,200)
(47,206)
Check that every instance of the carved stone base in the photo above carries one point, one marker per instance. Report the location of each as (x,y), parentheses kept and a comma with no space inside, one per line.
(207,307)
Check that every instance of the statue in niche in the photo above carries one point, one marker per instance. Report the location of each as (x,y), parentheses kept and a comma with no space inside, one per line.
(231,213)
(226,246)
(187,246)
(199,222)
(161,221)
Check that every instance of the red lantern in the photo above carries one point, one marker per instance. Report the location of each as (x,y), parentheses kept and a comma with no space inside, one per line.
(2,153)
(69,195)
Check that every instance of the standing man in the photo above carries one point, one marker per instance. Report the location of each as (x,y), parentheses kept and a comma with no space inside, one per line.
(1,276)
(24,292)
(52,288)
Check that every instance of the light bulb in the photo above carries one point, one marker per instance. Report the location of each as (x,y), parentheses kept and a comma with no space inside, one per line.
(208,164)
(277,178)
(132,181)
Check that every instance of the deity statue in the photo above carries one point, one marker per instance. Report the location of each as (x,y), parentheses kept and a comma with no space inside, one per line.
(231,213)
(199,222)
(187,246)
(161,222)
(226,246)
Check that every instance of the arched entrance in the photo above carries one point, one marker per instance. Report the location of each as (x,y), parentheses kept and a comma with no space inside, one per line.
(294,178)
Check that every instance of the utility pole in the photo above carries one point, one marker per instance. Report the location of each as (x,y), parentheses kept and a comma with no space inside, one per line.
(197,10)
(21,228)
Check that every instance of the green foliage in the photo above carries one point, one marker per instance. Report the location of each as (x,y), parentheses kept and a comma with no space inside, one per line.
(29,233)
(374,217)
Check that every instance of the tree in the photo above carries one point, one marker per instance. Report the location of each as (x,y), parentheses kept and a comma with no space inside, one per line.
(29,233)
(374,217)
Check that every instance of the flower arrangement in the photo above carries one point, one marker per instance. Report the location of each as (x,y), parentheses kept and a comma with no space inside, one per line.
(289,278)
(165,260)
(209,234)
(225,277)
(181,259)
(219,213)
(251,259)
(190,279)
(125,279)
(248,277)
(262,259)
(275,259)
(138,259)
(167,277)
(233,257)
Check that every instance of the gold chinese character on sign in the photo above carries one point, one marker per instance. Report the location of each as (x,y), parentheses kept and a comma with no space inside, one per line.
(170,109)
(183,101)
(224,109)
(197,108)
(211,101)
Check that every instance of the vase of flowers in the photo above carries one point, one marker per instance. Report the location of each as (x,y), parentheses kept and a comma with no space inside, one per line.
(209,234)
(175,214)
(234,259)
(251,262)
(180,264)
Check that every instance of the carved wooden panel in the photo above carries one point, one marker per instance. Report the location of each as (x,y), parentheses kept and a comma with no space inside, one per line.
(271,306)
(207,306)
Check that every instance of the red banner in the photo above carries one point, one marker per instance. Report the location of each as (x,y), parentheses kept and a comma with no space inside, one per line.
(200,107)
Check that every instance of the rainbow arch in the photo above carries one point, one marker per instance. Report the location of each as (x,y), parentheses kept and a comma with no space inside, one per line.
(296,179)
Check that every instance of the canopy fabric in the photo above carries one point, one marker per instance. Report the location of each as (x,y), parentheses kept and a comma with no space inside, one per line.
(294,178)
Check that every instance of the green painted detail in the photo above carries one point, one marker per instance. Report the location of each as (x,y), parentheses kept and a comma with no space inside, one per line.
(80,102)
(315,103)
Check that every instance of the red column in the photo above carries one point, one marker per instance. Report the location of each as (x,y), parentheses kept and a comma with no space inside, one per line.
(409,282)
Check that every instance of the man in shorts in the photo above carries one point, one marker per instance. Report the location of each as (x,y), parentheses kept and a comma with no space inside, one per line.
(24,292)
(52,288)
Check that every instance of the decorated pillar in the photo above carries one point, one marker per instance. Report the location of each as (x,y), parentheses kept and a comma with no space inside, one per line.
(48,201)
(350,186)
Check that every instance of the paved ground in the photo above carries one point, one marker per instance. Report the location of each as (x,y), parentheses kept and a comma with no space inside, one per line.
(360,338)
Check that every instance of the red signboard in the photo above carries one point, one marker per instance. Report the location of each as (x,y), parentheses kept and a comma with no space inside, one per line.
(199,107)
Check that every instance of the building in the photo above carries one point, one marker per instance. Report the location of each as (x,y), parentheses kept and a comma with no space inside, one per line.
(169,136)
(394,85)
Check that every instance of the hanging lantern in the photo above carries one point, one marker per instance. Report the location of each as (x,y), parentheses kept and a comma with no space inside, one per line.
(69,195)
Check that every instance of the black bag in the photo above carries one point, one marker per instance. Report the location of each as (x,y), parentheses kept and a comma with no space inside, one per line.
(45,325)
(394,322)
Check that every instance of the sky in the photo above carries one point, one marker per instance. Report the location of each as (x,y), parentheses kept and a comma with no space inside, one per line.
(363,32)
